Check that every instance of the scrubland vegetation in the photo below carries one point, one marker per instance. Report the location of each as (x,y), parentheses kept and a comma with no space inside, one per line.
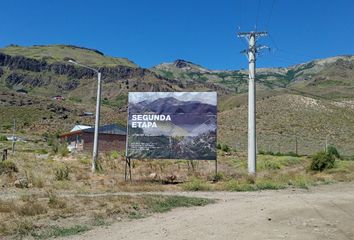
(42,186)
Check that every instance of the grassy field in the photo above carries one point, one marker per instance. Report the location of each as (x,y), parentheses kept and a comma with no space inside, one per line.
(283,119)
(54,191)
(49,215)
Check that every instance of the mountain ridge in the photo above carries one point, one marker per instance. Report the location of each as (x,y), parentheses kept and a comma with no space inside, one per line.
(310,100)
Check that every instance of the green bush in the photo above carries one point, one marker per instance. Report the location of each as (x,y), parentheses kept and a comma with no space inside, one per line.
(225,148)
(321,161)
(3,138)
(216,177)
(63,150)
(196,185)
(7,166)
(332,150)
(75,99)
(234,185)
(62,173)
(292,154)
(115,154)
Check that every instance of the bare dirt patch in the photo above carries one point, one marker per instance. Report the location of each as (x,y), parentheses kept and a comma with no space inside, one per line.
(324,212)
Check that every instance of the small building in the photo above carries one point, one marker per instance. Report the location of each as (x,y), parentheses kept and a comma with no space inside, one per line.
(58,98)
(22,91)
(86,114)
(79,127)
(111,138)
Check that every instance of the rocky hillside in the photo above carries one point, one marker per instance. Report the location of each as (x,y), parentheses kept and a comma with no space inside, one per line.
(311,101)
(316,77)
(31,76)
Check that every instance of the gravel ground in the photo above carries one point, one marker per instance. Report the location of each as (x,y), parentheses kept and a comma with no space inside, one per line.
(322,212)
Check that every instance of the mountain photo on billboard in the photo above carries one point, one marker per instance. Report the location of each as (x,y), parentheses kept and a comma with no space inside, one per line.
(188,119)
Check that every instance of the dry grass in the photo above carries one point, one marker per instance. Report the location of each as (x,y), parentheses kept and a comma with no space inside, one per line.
(40,215)
(52,200)
(72,173)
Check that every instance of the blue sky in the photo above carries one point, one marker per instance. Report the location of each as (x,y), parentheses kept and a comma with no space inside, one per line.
(202,31)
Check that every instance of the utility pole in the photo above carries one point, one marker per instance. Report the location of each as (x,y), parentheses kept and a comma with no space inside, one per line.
(97,124)
(296,146)
(13,137)
(97,118)
(326,146)
(251,53)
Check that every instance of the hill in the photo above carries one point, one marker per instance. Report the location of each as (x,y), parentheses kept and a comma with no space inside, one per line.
(310,101)
(62,53)
(316,77)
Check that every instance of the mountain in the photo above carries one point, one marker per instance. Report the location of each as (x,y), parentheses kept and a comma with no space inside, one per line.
(62,53)
(317,77)
(310,101)
(176,108)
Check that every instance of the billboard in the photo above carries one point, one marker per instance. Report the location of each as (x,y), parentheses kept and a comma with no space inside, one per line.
(172,125)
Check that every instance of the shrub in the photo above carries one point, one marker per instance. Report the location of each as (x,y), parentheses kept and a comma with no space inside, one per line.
(7,166)
(31,206)
(269,165)
(196,185)
(24,227)
(216,177)
(218,146)
(55,202)
(234,185)
(75,99)
(85,161)
(332,150)
(32,209)
(36,180)
(269,153)
(292,154)
(225,148)
(115,154)
(62,173)
(3,138)
(321,161)
(41,151)
(7,206)
(63,150)
(269,185)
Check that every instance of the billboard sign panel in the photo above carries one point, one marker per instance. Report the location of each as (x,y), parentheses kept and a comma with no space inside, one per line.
(172,125)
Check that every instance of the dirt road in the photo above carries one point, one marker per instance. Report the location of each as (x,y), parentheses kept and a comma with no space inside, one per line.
(323,212)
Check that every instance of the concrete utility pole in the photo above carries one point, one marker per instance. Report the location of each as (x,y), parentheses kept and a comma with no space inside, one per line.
(97,123)
(97,120)
(13,137)
(251,54)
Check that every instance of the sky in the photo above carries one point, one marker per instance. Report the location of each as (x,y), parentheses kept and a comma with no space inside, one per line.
(150,32)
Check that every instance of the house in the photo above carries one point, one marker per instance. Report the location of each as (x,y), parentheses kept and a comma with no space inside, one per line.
(22,91)
(79,127)
(84,114)
(58,98)
(80,138)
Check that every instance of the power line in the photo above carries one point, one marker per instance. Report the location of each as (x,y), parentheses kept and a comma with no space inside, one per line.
(241,15)
(270,16)
(259,6)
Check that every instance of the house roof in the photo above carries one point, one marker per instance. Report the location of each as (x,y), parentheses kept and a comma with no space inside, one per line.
(107,129)
(79,127)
